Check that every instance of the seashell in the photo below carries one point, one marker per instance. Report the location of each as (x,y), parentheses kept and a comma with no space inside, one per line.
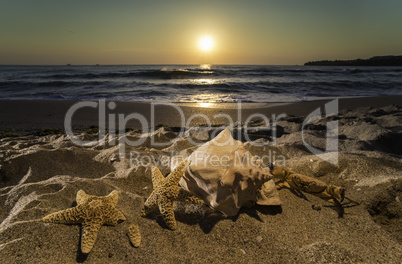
(227,177)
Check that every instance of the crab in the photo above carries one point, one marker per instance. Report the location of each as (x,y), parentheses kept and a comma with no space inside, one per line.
(299,182)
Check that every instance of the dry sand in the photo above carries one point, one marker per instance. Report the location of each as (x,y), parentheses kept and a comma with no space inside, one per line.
(42,174)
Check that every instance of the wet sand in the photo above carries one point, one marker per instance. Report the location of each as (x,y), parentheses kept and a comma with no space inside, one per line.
(31,115)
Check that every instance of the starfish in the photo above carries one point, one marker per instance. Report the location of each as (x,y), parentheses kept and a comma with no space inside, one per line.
(166,190)
(134,235)
(92,212)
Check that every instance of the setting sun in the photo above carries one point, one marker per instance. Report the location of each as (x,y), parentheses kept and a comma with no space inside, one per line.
(206,43)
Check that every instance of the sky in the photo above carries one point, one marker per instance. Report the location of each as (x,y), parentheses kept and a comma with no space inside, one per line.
(48,32)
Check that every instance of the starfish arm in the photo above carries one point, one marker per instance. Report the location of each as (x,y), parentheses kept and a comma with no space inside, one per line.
(157,177)
(68,216)
(171,192)
(81,197)
(150,204)
(113,216)
(175,176)
(134,235)
(187,197)
(89,233)
(166,209)
(112,198)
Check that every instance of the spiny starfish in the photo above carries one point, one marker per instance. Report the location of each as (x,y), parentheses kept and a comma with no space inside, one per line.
(92,212)
(166,190)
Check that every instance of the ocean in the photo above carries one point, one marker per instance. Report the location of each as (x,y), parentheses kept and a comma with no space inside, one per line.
(197,83)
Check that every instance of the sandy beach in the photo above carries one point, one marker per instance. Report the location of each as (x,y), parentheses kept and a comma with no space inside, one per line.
(41,171)
(32,115)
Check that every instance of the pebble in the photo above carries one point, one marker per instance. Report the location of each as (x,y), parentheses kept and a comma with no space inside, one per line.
(258,240)
(316,207)
(243,251)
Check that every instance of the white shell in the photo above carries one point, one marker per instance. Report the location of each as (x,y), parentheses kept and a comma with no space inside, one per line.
(224,174)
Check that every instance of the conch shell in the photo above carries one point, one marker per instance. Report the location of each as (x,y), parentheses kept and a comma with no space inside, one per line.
(227,177)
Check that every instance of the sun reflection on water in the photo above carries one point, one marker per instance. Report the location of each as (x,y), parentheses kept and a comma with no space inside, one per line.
(205,66)
(206,100)
(203,81)
(205,104)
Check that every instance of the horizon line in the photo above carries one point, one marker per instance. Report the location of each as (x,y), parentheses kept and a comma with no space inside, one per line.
(154,64)
(223,64)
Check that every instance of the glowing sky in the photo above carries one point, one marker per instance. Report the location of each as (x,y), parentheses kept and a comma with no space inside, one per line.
(168,32)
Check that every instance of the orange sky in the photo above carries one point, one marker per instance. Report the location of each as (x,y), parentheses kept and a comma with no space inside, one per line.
(167,32)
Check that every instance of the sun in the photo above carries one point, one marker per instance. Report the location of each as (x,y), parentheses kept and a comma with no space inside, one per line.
(206,43)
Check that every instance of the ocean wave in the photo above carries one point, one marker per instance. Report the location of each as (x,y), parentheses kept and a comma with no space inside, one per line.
(50,84)
(163,74)
(185,82)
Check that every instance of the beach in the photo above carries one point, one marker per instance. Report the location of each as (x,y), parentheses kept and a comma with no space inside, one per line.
(41,114)
(42,169)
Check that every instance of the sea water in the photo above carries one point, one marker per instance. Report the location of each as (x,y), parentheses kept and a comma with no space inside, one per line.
(197,83)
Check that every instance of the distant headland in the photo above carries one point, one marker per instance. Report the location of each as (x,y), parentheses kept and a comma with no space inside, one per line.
(373,61)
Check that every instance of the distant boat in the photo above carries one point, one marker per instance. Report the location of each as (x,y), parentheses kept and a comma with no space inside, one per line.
(68,64)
